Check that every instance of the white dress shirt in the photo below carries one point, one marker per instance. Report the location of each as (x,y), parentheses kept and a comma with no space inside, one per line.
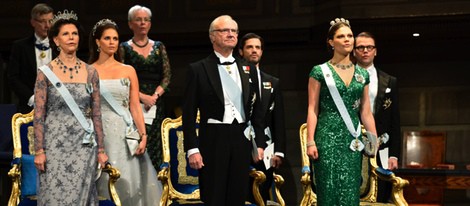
(373,86)
(46,55)
(42,58)
(373,89)
(230,111)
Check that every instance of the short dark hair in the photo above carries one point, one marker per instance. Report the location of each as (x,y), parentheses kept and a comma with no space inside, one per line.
(366,34)
(40,9)
(250,36)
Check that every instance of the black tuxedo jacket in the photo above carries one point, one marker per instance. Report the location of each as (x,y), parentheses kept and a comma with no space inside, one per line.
(22,70)
(272,110)
(387,113)
(204,93)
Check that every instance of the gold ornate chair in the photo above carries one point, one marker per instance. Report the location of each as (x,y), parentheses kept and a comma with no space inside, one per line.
(275,194)
(180,182)
(371,172)
(275,197)
(24,173)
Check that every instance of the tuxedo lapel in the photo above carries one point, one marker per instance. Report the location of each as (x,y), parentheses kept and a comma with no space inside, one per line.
(265,93)
(213,74)
(31,53)
(382,86)
(245,79)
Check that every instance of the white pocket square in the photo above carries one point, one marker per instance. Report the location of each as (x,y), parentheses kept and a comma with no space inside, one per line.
(388,90)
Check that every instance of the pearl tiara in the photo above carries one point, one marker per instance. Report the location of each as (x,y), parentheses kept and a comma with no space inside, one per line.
(339,20)
(101,23)
(64,15)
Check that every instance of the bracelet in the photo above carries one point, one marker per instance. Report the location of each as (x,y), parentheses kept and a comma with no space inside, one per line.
(143,134)
(101,152)
(311,143)
(39,153)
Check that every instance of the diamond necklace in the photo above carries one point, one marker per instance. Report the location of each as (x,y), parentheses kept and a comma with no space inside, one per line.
(65,68)
(341,66)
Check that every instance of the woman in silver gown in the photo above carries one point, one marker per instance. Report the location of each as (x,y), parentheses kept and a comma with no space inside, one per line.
(67,155)
(138,184)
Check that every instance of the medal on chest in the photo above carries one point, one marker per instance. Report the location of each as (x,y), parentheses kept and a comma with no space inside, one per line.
(42,55)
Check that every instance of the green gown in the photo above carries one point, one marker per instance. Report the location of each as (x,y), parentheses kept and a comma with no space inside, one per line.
(338,168)
(152,72)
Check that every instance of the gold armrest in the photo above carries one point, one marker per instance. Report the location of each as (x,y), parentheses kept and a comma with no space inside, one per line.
(279,181)
(397,184)
(114,175)
(259,177)
(309,196)
(15,175)
(397,191)
(164,176)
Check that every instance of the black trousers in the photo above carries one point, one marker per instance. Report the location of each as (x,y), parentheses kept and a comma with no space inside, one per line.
(226,154)
(384,190)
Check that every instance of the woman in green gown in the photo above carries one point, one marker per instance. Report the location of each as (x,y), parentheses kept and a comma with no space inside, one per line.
(332,140)
(150,60)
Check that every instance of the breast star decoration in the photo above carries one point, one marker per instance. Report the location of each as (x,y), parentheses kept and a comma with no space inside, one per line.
(387,103)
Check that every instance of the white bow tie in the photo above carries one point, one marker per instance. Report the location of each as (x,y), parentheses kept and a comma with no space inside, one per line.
(44,42)
(228,59)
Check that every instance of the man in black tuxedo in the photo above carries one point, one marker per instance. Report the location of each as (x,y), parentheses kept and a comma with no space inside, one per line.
(271,108)
(27,55)
(383,93)
(220,87)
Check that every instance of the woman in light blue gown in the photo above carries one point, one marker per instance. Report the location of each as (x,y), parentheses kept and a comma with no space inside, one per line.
(138,184)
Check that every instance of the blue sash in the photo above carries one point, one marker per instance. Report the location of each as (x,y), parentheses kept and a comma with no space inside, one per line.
(64,92)
(231,89)
(117,107)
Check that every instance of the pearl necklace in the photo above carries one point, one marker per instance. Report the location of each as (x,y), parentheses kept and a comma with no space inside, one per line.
(65,68)
(341,66)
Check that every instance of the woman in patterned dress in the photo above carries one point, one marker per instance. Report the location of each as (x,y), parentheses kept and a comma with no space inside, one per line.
(67,155)
(332,142)
(138,184)
(150,60)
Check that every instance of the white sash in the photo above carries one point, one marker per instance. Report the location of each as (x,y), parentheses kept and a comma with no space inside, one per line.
(341,107)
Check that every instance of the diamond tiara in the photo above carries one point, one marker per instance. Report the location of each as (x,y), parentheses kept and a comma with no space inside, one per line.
(101,23)
(64,15)
(339,20)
